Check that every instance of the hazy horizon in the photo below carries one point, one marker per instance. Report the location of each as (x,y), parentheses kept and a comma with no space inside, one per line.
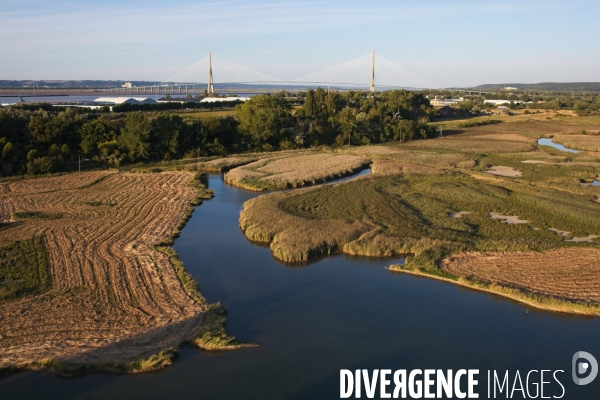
(454,45)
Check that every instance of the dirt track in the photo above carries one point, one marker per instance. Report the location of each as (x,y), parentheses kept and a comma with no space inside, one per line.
(113,297)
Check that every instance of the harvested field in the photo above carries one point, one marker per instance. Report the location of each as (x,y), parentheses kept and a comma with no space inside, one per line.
(579,142)
(565,274)
(62,182)
(115,298)
(295,170)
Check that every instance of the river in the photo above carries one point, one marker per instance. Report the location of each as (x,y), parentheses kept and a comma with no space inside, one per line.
(89,98)
(313,320)
(558,146)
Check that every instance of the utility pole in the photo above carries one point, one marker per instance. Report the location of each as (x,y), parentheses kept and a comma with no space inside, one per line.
(211,89)
(373,72)
(441,132)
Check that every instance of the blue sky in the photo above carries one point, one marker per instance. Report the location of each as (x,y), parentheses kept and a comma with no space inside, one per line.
(452,43)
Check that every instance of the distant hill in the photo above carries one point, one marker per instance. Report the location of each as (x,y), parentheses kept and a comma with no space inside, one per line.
(60,84)
(546,86)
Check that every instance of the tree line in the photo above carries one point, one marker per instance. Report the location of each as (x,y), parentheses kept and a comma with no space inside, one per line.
(39,138)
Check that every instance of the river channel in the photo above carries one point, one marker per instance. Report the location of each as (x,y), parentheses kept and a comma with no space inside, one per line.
(335,313)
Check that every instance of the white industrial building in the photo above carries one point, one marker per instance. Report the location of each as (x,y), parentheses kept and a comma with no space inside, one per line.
(500,102)
(445,102)
(215,99)
(121,100)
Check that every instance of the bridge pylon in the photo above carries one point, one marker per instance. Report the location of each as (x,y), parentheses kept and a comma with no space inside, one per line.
(211,88)
(372,88)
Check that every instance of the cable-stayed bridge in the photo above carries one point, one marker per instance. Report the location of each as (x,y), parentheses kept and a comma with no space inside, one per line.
(369,71)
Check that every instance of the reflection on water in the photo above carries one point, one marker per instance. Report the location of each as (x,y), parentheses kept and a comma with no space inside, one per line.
(339,312)
(558,146)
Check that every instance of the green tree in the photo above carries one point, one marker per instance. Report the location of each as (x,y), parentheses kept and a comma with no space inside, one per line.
(164,139)
(8,151)
(263,118)
(135,135)
(309,106)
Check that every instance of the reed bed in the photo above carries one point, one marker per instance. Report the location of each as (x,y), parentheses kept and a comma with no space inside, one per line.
(221,164)
(408,214)
(579,142)
(295,170)
(403,208)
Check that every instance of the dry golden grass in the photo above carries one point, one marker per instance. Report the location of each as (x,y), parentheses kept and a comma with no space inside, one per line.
(205,113)
(538,128)
(262,220)
(579,142)
(221,164)
(404,207)
(392,167)
(114,298)
(61,182)
(471,143)
(548,117)
(568,274)
(294,170)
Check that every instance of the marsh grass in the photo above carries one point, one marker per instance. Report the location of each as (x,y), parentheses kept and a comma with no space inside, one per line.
(23,269)
(221,164)
(409,214)
(404,207)
(213,332)
(295,170)
(68,369)
(21,215)
(579,142)
(471,124)
(98,203)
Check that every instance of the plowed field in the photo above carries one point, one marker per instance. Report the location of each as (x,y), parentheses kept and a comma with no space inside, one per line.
(113,298)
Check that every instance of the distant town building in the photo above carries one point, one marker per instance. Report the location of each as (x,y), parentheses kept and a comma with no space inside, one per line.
(121,100)
(127,85)
(444,102)
(509,88)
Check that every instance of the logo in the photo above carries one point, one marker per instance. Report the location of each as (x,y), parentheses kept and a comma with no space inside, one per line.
(580,367)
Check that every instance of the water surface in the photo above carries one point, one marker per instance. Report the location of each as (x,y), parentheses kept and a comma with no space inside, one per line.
(558,146)
(313,320)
